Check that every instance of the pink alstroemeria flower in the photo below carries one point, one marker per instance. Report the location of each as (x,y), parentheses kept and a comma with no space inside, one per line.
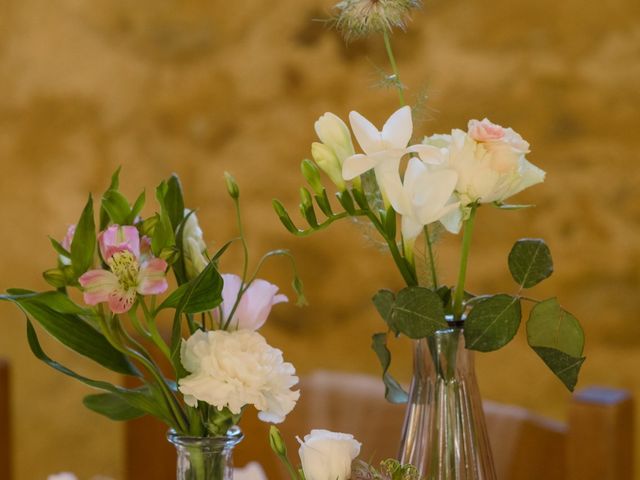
(255,305)
(128,274)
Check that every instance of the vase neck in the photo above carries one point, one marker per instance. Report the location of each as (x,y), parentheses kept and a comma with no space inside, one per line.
(205,458)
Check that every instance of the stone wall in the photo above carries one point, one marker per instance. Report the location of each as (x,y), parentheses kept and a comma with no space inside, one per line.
(199,87)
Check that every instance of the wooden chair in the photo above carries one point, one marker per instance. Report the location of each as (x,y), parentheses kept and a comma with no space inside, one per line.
(5,422)
(595,443)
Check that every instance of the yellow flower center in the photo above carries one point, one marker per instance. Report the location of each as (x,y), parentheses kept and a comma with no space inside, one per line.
(125,266)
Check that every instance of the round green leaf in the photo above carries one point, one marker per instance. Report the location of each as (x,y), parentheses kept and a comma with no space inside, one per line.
(417,312)
(553,327)
(530,262)
(492,323)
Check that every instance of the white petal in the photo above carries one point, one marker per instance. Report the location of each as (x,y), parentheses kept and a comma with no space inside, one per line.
(432,192)
(398,129)
(356,165)
(452,221)
(410,228)
(429,154)
(366,133)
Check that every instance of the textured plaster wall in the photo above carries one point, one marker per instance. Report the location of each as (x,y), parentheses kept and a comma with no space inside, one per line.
(199,87)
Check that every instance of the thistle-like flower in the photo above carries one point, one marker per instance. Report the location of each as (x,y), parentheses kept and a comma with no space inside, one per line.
(359,18)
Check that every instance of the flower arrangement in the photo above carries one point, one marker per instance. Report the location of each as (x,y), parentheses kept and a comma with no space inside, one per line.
(111,289)
(412,192)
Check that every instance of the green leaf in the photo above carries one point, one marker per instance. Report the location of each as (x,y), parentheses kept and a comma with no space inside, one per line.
(530,262)
(84,241)
(163,236)
(557,337)
(115,184)
(565,367)
(506,206)
(200,294)
(394,392)
(174,201)
(492,323)
(55,277)
(137,208)
(61,320)
(136,398)
(117,207)
(60,250)
(383,301)
(551,326)
(417,312)
(112,406)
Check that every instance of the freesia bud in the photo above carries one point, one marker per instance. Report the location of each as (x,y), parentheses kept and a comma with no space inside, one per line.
(232,185)
(335,134)
(193,246)
(284,216)
(312,175)
(329,163)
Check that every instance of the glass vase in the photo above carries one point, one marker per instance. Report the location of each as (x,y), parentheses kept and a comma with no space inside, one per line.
(205,458)
(444,434)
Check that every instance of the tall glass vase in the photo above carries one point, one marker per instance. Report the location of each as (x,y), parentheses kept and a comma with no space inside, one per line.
(205,458)
(444,433)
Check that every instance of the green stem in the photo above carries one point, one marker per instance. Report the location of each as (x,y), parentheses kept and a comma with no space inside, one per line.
(154,332)
(458,306)
(432,263)
(394,67)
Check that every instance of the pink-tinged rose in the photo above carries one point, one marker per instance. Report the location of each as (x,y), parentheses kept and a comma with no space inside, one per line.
(255,305)
(118,238)
(485,131)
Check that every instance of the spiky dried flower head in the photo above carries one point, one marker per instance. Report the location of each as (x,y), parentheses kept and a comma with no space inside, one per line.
(359,18)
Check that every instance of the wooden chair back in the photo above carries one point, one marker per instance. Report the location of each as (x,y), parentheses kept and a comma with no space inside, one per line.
(596,443)
(5,422)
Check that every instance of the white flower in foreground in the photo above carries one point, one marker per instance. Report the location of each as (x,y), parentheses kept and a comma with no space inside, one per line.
(327,455)
(382,150)
(62,476)
(234,369)
(426,197)
(335,146)
(489,159)
(194,247)
(255,305)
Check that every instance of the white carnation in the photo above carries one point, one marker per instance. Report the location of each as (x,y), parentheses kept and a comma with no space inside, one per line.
(238,368)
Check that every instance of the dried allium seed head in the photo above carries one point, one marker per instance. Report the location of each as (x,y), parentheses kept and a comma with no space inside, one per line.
(359,18)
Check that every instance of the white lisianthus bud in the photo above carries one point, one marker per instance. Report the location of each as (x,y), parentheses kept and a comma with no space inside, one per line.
(328,163)
(62,476)
(327,455)
(193,247)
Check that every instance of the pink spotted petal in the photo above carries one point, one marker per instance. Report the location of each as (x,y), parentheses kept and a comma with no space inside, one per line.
(118,238)
(120,300)
(152,279)
(97,285)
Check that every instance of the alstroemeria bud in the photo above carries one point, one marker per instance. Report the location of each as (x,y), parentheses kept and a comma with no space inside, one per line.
(232,185)
(329,163)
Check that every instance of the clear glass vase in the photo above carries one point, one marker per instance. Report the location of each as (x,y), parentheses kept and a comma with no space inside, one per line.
(205,458)
(444,433)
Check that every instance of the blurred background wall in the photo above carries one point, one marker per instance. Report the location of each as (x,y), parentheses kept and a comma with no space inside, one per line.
(198,87)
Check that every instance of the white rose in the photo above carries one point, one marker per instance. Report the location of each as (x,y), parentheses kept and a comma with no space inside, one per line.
(235,369)
(328,455)
(489,159)
(193,246)
(62,476)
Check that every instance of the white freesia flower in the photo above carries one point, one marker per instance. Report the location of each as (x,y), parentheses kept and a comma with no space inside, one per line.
(238,368)
(382,150)
(194,247)
(426,197)
(335,146)
(489,159)
(327,455)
